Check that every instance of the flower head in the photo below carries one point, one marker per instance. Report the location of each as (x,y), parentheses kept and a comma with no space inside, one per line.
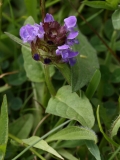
(54,40)
(29,33)
(67,54)
(54,33)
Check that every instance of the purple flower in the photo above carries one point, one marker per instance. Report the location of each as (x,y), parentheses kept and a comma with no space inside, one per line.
(71,42)
(72,34)
(52,37)
(72,61)
(71,38)
(29,33)
(70,22)
(66,53)
(48,18)
(54,33)
(40,30)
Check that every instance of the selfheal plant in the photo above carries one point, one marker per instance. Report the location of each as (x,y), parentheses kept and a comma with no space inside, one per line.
(51,42)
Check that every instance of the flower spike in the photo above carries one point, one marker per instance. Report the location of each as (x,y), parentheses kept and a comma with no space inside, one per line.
(51,42)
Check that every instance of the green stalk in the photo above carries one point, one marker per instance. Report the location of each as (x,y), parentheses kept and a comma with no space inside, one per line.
(48,81)
(21,142)
(47,134)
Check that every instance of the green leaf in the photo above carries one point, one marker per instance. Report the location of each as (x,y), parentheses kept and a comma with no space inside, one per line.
(17,40)
(50,3)
(93,148)
(69,105)
(86,64)
(116,19)
(71,143)
(115,127)
(16,103)
(67,154)
(41,145)
(66,71)
(17,78)
(3,128)
(93,84)
(73,133)
(108,89)
(4,88)
(99,4)
(31,7)
(21,127)
(29,20)
(113,3)
(115,76)
(34,70)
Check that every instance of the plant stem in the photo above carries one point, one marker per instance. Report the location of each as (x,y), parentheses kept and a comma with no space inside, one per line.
(21,142)
(42,4)
(44,118)
(47,134)
(0,17)
(48,81)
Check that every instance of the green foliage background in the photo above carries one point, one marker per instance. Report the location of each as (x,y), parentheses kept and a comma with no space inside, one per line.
(87,94)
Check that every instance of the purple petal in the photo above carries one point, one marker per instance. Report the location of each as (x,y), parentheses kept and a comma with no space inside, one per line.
(65,60)
(58,52)
(65,54)
(71,42)
(65,46)
(48,18)
(72,61)
(70,22)
(72,54)
(40,30)
(76,41)
(72,35)
(28,33)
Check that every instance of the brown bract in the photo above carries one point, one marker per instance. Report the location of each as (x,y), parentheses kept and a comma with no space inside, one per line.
(54,33)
